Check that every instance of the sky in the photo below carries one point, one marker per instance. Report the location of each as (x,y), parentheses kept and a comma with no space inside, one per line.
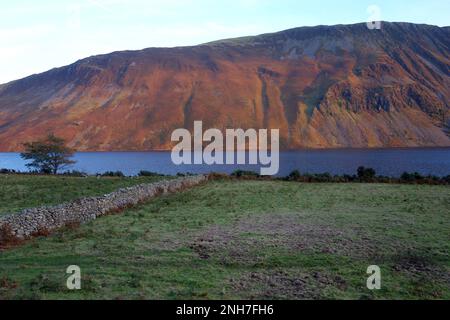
(36,36)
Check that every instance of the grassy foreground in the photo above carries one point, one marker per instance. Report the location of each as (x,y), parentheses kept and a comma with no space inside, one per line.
(250,239)
(19,192)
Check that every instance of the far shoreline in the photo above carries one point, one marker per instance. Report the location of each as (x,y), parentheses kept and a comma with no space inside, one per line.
(282,150)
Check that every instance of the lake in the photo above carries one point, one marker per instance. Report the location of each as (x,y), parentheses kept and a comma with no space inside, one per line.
(390,162)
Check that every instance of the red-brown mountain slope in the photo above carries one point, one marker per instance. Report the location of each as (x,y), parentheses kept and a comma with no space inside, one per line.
(326,86)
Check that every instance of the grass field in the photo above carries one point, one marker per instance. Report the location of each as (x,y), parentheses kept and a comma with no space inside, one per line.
(19,192)
(249,240)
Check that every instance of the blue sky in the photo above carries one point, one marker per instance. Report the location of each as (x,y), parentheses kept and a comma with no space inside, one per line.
(38,35)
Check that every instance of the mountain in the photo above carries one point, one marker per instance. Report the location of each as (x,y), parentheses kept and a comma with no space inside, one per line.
(324,87)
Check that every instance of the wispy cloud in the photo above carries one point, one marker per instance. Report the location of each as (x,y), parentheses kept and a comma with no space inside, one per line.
(7,34)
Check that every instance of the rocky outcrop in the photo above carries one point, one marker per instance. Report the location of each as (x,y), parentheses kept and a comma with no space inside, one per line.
(46,219)
(326,86)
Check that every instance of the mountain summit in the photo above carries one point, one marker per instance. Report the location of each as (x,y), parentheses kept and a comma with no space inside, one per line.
(324,87)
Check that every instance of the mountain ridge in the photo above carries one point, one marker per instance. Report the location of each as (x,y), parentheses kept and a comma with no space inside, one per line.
(363,24)
(324,87)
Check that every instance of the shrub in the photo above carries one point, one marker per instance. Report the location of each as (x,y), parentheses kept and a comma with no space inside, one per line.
(349,178)
(72,225)
(41,232)
(434,178)
(294,176)
(45,283)
(243,173)
(218,176)
(144,173)
(446,179)
(406,176)
(113,174)
(323,177)
(7,238)
(75,173)
(411,177)
(187,174)
(7,283)
(366,174)
(7,171)
(384,179)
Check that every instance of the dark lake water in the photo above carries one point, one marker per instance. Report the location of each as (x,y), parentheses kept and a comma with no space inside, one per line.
(390,162)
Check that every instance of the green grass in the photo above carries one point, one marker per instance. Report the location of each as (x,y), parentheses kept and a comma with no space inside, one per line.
(19,192)
(250,239)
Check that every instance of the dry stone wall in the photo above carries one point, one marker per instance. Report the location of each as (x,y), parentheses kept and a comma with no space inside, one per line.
(34,221)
